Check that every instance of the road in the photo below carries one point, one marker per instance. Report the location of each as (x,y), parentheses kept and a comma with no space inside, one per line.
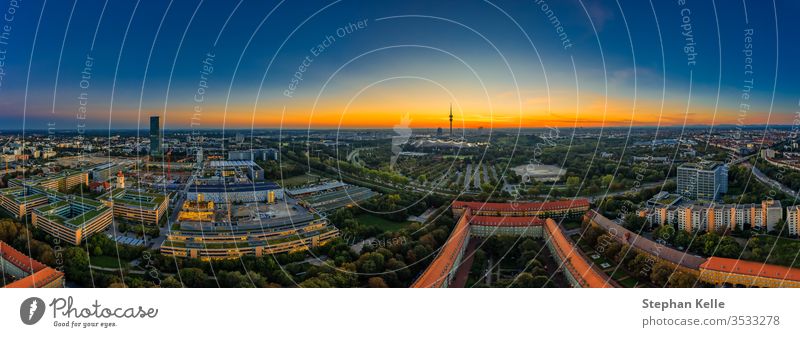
(767,180)
(593,198)
(173,211)
(467,176)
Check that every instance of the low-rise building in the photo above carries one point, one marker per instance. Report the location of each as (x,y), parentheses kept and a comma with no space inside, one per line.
(197,210)
(19,202)
(136,206)
(477,219)
(226,241)
(721,271)
(73,219)
(555,209)
(21,271)
(231,193)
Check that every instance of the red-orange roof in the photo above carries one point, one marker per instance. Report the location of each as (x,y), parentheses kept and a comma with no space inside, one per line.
(523,206)
(38,279)
(751,268)
(504,221)
(20,260)
(40,274)
(623,235)
(575,263)
(437,272)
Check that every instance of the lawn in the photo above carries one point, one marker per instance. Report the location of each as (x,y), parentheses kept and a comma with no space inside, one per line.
(624,278)
(600,260)
(383,224)
(105,261)
(629,282)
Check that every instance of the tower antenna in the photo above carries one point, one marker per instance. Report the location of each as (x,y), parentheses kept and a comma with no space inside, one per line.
(451,120)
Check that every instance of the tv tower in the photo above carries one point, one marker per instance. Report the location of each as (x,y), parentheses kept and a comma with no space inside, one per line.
(451,120)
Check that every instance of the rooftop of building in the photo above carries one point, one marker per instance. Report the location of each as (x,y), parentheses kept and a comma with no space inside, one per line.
(317,188)
(73,213)
(134,198)
(645,244)
(592,277)
(751,268)
(703,165)
(231,163)
(20,196)
(773,204)
(500,221)
(222,188)
(38,273)
(437,272)
(521,206)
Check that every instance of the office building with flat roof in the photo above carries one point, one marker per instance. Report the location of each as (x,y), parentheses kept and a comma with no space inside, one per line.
(61,181)
(19,202)
(155,137)
(231,241)
(702,181)
(136,206)
(73,219)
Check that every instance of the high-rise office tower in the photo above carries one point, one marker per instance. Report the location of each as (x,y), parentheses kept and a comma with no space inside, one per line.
(155,137)
(703,181)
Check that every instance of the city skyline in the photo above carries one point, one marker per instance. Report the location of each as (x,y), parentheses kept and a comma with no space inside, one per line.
(519,147)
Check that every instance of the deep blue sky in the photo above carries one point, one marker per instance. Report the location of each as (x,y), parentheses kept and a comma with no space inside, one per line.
(154,68)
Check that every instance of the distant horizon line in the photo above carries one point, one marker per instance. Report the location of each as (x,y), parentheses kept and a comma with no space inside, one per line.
(413,128)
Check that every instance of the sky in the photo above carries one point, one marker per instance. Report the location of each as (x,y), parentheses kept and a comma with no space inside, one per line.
(110,65)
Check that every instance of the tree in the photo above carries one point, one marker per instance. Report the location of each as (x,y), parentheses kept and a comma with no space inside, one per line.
(634,222)
(523,280)
(370,263)
(170,282)
(661,274)
(541,281)
(76,265)
(682,239)
(573,183)
(708,242)
(193,277)
(728,247)
(682,280)
(591,234)
(529,245)
(641,266)
(665,232)
(605,182)
(376,282)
